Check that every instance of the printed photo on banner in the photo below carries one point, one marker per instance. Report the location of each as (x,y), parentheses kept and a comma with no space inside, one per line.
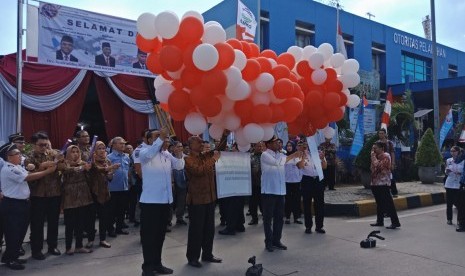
(86,40)
(233,174)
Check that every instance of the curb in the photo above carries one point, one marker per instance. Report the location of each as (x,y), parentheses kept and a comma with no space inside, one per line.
(367,207)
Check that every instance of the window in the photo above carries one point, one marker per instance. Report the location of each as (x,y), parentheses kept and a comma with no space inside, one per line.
(264,30)
(378,62)
(419,68)
(453,71)
(304,34)
(349,44)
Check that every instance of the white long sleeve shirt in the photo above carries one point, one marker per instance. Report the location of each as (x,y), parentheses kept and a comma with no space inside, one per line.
(156,173)
(453,177)
(293,174)
(273,174)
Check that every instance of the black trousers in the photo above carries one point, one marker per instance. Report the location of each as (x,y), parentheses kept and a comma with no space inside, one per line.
(273,213)
(461,208)
(292,203)
(330,176)
(393,183)
(134,196)
(451,199)
(313,189)
(1,225)
(117,206)
(201,231)
(153,222)
(15,218)
(102,212)
(76,221)
(180,195)
(234,211)
(44,208)
(384,204)
(254,202)
(222,209)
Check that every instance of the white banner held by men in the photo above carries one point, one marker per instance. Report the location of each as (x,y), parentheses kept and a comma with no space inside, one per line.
(82,39)
(315,155)
(233,174)
(246,23)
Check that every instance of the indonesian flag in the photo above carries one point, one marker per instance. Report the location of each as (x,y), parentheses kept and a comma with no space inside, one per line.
(387,110)
(341,48)
(246,23)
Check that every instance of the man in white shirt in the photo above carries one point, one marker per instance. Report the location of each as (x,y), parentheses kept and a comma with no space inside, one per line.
(156,199)
(273,192)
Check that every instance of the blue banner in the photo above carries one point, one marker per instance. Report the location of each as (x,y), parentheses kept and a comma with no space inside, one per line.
(446,127)
(359,132)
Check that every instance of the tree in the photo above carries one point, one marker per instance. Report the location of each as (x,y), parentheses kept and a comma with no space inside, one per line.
(402,118)
(428,154)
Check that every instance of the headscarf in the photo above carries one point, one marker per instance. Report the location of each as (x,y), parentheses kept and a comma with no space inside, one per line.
(96,158)
(68,156)
(293,147)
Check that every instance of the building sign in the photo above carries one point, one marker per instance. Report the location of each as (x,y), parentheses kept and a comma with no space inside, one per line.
(417,44)
(369,84)
(86,40)
(369,118)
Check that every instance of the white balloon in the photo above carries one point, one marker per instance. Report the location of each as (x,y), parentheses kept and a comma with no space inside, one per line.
(316,60)
(240,59)
(239,92)
(349,80)
(346,91)
(264,82)
(159,80)
(239,137)
(268,131)
(273,63)
(176,75)
(232,121)
(307,52)
(217,120)
(167,24)
(226,103)
(329,132)
(319,76)
(326,49)
(205,57)
(214,34)
(353,101)
(164,91)
(261,98)
(193,14)
(296,52)
(234,76)
(253,133)
(195,123)
(216,131)
(210,23)
(146,25)
(242,148)
(350,66)
(337,60)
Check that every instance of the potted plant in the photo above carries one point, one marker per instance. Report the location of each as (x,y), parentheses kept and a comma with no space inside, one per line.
(427,158)
(363,161)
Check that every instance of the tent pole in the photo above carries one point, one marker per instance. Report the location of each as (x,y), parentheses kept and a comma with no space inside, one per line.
(19,66)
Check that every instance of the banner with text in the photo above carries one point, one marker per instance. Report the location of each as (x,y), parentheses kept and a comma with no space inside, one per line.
(246,24)
(233,174)
(81,39)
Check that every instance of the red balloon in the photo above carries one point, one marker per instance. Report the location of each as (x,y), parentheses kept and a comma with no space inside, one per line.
(236,44)
(171,58)
(297,92)
(254,50)
(191,29)
(153,63)
(246,49)
(187,55)
(277,113)
(315,112)
(178,116)
(148,45)
(178,84)
(320,122)
(265,64)
(331,100)
(269,54)
(179,101)
(283,89)
(292,108)
(335,115)
(251,70)
(303,85)
(243,108)
(331,75)
(313,98)
(334,86)
(214,82)
(343,100)
(177,41)
(210,107)
(294,128)
(310,130)
(280,71)
(303,68)
(226,55)
(165,107)
(262,114)
(198,96)
(191,77)
(287,60)
(293,77)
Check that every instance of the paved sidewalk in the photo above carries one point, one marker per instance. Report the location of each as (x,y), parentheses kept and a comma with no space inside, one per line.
(351,200)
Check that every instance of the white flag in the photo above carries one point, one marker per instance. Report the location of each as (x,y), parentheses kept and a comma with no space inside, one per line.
(246,23)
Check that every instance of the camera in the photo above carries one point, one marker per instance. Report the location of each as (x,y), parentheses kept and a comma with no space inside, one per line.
(370,242)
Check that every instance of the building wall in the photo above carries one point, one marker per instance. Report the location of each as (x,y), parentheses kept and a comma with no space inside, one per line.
(282,20)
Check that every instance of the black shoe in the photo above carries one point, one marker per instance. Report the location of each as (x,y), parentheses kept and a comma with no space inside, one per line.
(460,229)
(240,229)
(15,265)
(124,226)
(212,259)
(112,234)
(181,222)
(308,231)
(21,251)
(253,222)
(376,224)
(121,232)
(38,256)
(297,221)
(148,273)
(136,223)
(320,230)
(269,248)
(226,232)
(195,264)
(332,189)
(54,251)
(168,230)
(223,223)
(163,270)
(287,221)
(21,261)
(170,224)
(393,226)
(449,222)
(280,246)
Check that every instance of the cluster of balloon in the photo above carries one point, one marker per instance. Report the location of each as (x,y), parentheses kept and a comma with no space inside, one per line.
(229,83)
(324,78)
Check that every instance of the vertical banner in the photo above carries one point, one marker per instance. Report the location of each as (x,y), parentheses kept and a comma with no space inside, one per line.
(314,153)
(233,174)
(359,132)
(246,23)
(446,127)
(86,40)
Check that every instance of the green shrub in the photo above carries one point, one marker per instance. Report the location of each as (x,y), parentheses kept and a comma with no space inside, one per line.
(363,159)
(428,154)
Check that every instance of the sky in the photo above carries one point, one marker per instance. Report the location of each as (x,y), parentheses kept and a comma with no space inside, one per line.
(405,15)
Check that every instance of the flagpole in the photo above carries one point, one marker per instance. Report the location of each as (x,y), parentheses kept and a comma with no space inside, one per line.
(435,78)
(19,66)
(337,27)
(258,24)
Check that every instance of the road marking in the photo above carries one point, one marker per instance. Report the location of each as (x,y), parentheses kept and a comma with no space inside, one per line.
(401,216)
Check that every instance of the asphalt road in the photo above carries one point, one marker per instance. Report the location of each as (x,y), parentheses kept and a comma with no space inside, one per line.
(424,245)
